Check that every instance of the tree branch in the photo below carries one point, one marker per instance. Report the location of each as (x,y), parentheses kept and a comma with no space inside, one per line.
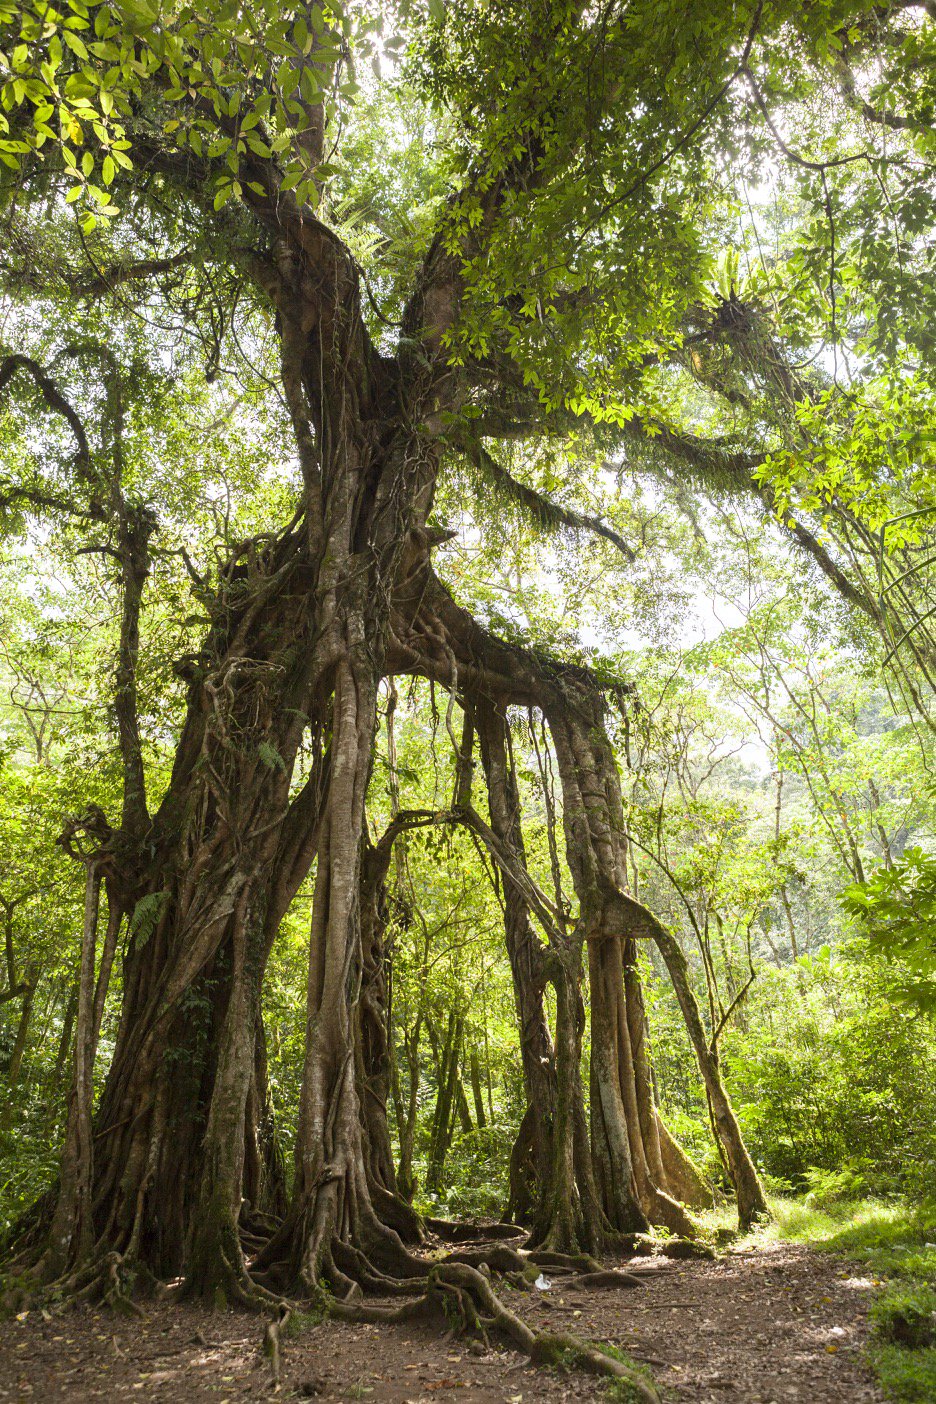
(545,511)
(51,394)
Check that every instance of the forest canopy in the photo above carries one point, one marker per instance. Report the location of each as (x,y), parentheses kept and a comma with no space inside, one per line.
(467,633)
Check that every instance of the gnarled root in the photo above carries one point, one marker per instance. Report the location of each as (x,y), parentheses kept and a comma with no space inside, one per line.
(480,1308)
(105,1278)
(452,1232)
(565,1262)
(607,1277)
(497,1256)
(463,1296)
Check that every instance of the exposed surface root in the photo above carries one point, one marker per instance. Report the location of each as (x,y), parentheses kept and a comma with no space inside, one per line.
(456,1291)
(570,1262)
(498,1257)
(480,1307)
(768,1306)
(463,1297)
(644,1245)
(608,1277)
(107,1279)
(453,1232)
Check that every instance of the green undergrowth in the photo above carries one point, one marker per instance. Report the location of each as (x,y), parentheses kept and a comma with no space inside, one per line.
(622,1391)
(896,1244)
(300,1321)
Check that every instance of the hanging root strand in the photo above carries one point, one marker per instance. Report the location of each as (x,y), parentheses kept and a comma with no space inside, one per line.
(272,1343)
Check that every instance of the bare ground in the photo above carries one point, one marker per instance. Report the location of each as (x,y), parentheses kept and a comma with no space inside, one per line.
(762,1325)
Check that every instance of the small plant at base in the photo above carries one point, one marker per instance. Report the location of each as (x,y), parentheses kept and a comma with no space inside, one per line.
(299,1321)
(622,1392)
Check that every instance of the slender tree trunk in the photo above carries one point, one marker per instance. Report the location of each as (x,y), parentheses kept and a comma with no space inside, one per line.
(264,1186)
(752,1203)
(72,1233)
(406,1179)
(530,1194)
(64,1047)
(462,1110)
(372,1043)
(475,1075)
(445,1103)
(19,1042)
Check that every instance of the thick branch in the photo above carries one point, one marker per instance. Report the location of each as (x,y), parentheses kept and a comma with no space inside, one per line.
(545,511)
(51,394)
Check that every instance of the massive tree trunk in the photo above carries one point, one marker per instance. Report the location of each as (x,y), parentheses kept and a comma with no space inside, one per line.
(593,823)
(376,478)
(625,1144)
(304,626)
(670,1167)
(171,1127)
(621,1102)
(295,649)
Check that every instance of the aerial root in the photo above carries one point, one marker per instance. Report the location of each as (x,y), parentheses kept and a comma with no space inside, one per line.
(116,1296)
(272,1344)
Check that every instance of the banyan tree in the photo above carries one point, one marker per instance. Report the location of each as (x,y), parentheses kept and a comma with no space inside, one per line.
(551,277)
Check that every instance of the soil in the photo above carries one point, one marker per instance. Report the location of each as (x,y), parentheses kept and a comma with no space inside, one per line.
(762,1325)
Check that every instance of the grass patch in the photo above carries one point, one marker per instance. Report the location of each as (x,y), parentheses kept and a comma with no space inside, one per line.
(897,1246)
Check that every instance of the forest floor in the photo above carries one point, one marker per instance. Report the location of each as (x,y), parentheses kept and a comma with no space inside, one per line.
(764,1323)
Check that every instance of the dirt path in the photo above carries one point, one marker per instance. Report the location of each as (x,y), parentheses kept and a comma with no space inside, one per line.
(759,1326)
